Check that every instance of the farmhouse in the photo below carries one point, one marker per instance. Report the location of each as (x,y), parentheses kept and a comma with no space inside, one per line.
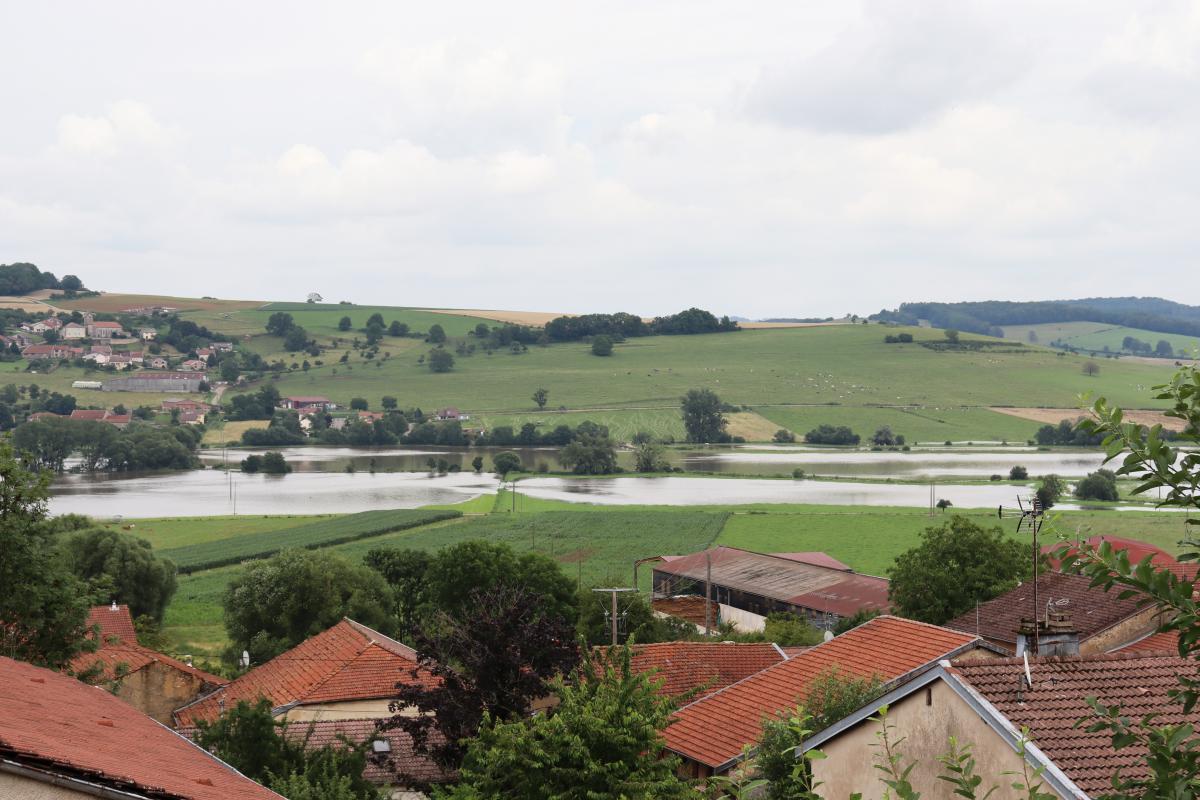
(223,347)
(61,738)
(307,403)
(989,704)
(749,585)
(73,330)
(151,682)
(46,352)
(148,334)
(177,382)
(47,324)
(157,362)
(341,679)
(105,330)
(1100,620)
(194,365)
(450,414)
(710,734)
(120,421)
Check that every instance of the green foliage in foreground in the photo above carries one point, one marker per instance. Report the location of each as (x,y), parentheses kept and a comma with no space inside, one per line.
(603,740)
(325,533)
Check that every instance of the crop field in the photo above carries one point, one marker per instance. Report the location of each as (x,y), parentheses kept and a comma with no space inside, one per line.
(925,424)
(322,533)
(869,539)
(1098,335)
(175,532)
(660,422)
(847,367)
(114,302)
(230,432)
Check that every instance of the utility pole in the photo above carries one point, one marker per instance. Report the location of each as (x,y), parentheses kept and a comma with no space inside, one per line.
(707,593)
(613,621)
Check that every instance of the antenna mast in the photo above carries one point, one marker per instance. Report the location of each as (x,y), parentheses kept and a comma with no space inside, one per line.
(1034,514)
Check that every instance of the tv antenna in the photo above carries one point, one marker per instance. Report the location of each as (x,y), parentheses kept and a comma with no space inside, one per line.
(1033,514)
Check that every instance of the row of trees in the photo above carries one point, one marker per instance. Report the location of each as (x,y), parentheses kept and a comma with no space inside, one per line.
(621,325)
(24,278)
(101,447)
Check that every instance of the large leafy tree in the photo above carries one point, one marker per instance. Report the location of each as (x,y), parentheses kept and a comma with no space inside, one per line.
(604,739)
(590,453)
(277,603)
(405,571)
(43,607)
(492,663)
(122,569)
(956,565)
(702,416)
(461,569)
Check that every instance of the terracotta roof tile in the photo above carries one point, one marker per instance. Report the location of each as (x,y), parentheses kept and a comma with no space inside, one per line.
(1092,610)
(115,622)
(1057,699)
(400,758)
(714,730)
(347,662)
(134,657)
(1165,642)
(708,666)
(56,722)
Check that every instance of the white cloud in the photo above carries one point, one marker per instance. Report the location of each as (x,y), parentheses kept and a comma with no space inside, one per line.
(783,159)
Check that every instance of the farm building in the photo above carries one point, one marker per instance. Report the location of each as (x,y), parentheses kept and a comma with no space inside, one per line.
(105,330)
(451,414)
(710,734)
(151,682)
(157,382)
(101,415)
(1101,621)
(62,738)
(747,585)
(307,403)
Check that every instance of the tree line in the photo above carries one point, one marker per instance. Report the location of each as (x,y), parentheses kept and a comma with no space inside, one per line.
(101,447)
(622,325)
(24,278)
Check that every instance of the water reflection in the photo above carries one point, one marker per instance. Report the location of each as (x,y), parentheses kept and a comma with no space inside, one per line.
(211,493)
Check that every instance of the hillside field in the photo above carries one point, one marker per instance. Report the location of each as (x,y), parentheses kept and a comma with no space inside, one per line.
(787,376)
(1098,335)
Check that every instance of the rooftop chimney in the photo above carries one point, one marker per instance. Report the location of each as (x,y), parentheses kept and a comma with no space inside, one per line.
(1057,635)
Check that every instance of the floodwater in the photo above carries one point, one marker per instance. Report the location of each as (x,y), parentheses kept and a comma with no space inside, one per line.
(673,491)
(396,459)
(200,493)
(926,463)
(957,462)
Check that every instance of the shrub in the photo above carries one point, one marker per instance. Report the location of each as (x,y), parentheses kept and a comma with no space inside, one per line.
(784,436)
(602,346)
(1100,485)
(1018,473)
(828,434)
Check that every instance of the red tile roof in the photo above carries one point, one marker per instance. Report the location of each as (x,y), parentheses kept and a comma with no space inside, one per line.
(114,621)
(1165,642)
(1092,610)
(1135,548)
(783,578)
(54,722)
(400,758)
(714,730)
(1057,699)
(133,657)
(347,662)
(95,414)
(708,666)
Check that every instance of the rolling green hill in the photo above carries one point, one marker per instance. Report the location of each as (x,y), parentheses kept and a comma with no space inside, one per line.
(1096,336)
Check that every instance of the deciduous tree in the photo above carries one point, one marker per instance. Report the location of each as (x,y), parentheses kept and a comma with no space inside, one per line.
(121,568)
(956,565)
(702,417)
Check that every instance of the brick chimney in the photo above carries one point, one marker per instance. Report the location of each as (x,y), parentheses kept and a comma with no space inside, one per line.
(1057,635)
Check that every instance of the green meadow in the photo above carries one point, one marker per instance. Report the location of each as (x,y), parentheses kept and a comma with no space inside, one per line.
(1099,335)
(599,544)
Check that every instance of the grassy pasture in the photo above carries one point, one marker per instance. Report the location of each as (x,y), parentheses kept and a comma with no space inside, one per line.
(321,533)
(1098,335)
(928,424)
(849,366)
(321,319)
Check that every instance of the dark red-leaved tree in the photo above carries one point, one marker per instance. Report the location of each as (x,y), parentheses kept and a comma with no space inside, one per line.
(497,660)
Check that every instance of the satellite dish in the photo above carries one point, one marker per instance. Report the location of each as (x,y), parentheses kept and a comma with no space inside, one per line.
(828,636)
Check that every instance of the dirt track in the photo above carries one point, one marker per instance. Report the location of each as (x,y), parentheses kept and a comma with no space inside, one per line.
(1052,416)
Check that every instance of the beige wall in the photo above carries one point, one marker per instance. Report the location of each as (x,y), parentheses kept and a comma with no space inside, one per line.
(157,690)
(353,709)
(16,787)
(925,720)
(1130,630)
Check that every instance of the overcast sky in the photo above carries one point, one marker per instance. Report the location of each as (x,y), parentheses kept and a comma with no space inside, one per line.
(763,159)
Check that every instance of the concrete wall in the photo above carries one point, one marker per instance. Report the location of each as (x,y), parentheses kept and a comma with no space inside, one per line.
(925,720)
(157,689)
(15,786)
(351,709)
